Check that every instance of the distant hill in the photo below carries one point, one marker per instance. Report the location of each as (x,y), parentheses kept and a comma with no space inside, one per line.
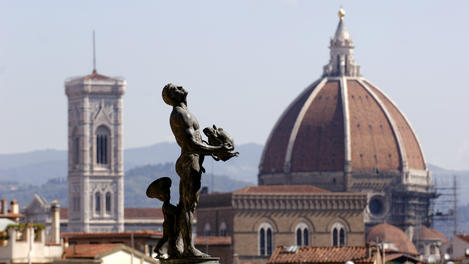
(38,167)
(136,181)
(44,172)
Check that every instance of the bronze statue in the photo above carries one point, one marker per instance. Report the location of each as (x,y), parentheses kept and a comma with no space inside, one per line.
(160,189)
(189,167)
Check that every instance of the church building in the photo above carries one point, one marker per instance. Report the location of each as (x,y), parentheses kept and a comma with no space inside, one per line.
(341,158)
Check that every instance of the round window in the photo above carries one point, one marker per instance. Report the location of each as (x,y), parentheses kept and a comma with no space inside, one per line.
(376,206)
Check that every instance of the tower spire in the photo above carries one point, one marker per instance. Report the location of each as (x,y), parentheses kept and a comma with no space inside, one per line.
(94,52)
(341,62)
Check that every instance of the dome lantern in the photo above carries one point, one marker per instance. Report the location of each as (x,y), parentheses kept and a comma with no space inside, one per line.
(341,62)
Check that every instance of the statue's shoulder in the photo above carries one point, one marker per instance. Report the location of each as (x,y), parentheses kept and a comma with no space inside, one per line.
(180,115)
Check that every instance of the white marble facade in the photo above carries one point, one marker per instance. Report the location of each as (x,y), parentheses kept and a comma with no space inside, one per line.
(95,154)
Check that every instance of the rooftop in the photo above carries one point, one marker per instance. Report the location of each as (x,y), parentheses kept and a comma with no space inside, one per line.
(280,189)
(309,254)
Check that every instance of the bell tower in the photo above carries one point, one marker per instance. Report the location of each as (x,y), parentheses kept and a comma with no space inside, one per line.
(95,153)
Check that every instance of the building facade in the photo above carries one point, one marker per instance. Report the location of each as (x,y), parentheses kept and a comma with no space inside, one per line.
(260,218)
(95,153)
(344,134)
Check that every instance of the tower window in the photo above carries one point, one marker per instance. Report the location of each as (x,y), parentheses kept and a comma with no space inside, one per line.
(338,235)
(108,202)
(97,203)
(102,145)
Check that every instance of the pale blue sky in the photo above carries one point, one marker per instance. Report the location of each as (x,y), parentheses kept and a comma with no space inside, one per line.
(245,59)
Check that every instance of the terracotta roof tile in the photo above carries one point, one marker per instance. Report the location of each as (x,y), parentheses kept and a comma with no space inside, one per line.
(309,254)
(143,213)
(279,189)
(140,233)
(87,250)
(273,157)
(212,240)
(463,237)
(373,142)
(129,213)
(412,148)
(426,233)
(95,76)
(11,215)
(319,143)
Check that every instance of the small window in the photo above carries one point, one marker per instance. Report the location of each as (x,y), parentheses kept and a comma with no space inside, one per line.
(76,150)
(223,229)
(262,241)
(265,239)
(97,203)
(302,234)
(207,229)
(269,241)
(305,237)
(339,236)
(108,202)
(102,145)
(76,204)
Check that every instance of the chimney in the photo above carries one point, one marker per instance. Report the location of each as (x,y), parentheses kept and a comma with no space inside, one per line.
(55,226)
(14,208)
(4,207)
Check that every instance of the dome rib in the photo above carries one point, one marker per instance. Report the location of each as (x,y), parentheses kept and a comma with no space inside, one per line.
(298,121)
(395,130)
(347,136)
(271,157)
(408,143)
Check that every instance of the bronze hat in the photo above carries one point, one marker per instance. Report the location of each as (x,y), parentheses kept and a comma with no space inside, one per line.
(158,187)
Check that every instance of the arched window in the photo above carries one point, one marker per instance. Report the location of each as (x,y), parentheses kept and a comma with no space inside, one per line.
(306,237)
(223,229)
(102,145)
(207,229)
(108,202)
(265,239)
(97,203)
(339,236)
(302,234)
(262,242)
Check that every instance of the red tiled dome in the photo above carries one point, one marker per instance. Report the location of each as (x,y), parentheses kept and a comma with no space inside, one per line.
(341,125)
(311,134)
(391,235)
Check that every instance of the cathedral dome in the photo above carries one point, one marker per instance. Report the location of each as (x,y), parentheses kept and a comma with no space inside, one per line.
(395,238)
(341,125)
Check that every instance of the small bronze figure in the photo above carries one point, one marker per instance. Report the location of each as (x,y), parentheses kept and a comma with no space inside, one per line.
(160,189)
(218,136)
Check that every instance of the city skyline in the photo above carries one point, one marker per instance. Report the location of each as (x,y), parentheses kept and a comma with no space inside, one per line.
(251,57)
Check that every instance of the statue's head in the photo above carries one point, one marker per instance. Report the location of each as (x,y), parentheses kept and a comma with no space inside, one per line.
(173,94)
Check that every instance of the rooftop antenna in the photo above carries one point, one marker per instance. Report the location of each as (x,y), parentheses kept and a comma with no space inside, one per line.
(94,52)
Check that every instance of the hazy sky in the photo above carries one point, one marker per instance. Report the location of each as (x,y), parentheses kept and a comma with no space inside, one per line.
(242,61)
